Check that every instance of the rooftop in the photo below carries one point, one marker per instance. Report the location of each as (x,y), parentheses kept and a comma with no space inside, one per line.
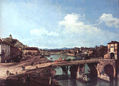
(113,42)
(3,42)
(0,40)
(31,48)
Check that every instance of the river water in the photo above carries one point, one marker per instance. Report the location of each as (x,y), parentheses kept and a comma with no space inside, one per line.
(74,82)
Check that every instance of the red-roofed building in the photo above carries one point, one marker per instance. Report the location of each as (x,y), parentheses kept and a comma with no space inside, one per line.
(113,50)
(31,51)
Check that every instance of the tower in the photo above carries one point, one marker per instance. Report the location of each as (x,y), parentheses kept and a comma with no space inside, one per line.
(113,50)
(10,36)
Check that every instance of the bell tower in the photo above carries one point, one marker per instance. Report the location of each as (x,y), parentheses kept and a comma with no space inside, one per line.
(10,36)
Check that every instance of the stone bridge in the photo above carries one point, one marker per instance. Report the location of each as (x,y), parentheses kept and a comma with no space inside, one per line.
(105,69)
(102,68)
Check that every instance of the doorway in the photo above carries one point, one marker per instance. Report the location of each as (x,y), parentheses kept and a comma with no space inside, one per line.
(112,56)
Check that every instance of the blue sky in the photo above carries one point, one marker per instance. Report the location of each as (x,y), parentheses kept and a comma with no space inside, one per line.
(60,23)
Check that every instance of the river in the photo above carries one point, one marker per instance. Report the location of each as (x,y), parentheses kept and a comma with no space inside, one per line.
(74,82)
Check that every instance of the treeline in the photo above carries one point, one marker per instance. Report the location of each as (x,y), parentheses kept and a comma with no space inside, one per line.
(99,51)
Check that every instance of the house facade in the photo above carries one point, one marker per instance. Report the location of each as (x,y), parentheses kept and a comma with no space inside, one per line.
(113,50)
(4,51)
(9,53)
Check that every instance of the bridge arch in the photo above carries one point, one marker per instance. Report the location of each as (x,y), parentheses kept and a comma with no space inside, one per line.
(106,67)
(109,70)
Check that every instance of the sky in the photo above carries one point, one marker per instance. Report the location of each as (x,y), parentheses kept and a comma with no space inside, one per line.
(60,23)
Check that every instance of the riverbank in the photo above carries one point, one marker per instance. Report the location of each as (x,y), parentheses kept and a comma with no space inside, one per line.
(12,74)
(38,77)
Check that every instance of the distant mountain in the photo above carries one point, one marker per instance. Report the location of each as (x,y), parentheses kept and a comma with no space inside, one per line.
(65,48)
(58,48)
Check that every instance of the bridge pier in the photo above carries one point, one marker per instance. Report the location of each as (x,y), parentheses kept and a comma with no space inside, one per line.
(80,69)
(77,73)
(73,71)
(93,70)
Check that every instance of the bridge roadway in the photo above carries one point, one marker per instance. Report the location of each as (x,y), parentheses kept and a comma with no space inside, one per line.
(63,63)
(76,62)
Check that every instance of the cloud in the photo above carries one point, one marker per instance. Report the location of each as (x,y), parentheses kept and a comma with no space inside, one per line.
(73,23)
(109,20)
(42,31)
(89,33)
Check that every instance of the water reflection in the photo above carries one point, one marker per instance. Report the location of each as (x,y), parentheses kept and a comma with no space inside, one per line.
(98,82)
(114,82)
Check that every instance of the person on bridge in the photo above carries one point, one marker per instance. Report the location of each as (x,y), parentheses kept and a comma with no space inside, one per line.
(7,72)
(23,68)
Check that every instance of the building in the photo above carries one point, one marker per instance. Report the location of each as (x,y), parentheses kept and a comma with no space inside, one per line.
(15,54)
(113,50)
(108,67)
(77,50)
(9,53)
(31,51)
(4,51)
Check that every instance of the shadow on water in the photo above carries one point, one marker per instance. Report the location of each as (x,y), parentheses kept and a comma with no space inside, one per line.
(73,83)
(95,82)
(114,82)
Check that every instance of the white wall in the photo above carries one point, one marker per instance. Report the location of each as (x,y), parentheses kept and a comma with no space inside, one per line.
(0,52)
(0,48)
(6,49)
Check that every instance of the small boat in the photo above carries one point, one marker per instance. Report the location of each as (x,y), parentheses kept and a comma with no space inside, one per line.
(84,78)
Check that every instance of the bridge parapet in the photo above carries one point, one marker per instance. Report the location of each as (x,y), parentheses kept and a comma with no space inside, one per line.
(77,62)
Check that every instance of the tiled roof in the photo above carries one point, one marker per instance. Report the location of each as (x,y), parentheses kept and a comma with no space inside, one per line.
(0,40)
(31,48)
(3,42)
(113,42)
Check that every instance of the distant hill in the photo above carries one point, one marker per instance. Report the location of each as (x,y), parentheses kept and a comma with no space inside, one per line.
(58,48)
(14,42)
